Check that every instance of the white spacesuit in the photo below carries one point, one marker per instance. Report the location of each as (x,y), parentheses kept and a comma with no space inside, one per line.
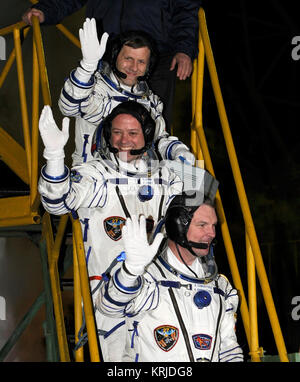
(174,312)
(163,321)
(104,192)
(89,95)
(104,197)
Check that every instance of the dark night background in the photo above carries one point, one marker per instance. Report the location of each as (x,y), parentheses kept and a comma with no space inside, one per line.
(251,41)
(252,46)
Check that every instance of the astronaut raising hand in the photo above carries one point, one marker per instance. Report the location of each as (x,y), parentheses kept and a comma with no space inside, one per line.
(92,50)
(123,179)
(54,141)
(111,71)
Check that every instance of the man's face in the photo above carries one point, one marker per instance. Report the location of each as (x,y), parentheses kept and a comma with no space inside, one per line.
(126,135)
(132,62)
(202,228)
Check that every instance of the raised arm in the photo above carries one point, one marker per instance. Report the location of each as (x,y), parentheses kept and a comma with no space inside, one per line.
(117,297)
(63,191)
(79,87)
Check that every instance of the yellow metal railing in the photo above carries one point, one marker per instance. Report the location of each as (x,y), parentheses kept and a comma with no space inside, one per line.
(82,294)
(254,257)
(24,210)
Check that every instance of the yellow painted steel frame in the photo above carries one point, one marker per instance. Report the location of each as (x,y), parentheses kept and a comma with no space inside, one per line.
(82,289)
(64,31)
(23,210)
(53,250)
(79,355)
(82,294)
(24,162)
(250,321)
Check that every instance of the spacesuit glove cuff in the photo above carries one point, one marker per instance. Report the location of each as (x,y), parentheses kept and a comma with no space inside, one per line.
(88,67)
(126,278)
(55,168)
(80,76)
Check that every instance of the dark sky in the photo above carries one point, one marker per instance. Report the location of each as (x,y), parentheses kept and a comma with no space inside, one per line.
(259,78)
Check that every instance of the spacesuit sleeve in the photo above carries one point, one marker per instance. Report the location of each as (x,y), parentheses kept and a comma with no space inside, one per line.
(119,299)
(166,146)
(230,350)
(88,100)
(83,187)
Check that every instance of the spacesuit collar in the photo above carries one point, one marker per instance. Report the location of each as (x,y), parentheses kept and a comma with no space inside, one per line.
(174,262)
(146,165)
(207,271)
(140,89)
(137,165)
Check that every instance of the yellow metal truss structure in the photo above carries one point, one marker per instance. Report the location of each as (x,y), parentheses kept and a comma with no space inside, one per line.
(25,210)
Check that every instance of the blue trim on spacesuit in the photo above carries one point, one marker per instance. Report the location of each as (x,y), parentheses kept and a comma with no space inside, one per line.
(125,289)
(71,99)
(109,332)
(86,141)
(178,274)
(83,85)
(170,147)
(109,299)
(225,354)
(123,91)
(55,179)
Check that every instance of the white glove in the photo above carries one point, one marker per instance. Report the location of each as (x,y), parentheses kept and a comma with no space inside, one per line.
(138,252)
(92,51)
(54,141)
(183,155)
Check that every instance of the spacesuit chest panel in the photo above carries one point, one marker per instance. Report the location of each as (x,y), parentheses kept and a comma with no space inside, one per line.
(102,227)
(162,334)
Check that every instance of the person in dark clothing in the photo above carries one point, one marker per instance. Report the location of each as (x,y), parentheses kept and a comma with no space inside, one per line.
(173,24)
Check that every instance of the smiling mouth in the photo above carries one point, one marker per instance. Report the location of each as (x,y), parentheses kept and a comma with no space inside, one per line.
(125,148)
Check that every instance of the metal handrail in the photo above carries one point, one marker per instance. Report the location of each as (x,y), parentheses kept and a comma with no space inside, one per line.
(248,221)
(202,146)
(29,204)
(53,246)
(84,290)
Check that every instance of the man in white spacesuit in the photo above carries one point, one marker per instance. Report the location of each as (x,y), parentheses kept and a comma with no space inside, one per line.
(123,179)
(97,85)
(177,307)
